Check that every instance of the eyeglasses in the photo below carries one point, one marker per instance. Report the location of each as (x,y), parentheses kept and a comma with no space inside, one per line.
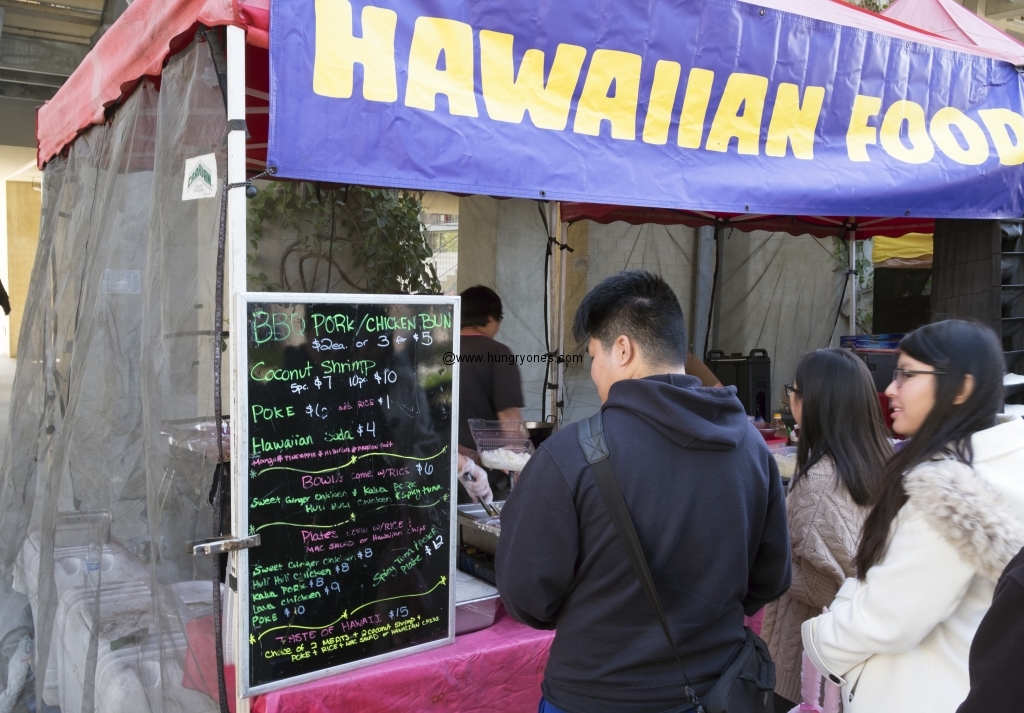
(901,375)
(790,390)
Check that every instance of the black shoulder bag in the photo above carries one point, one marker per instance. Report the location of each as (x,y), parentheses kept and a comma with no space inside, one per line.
(747,682)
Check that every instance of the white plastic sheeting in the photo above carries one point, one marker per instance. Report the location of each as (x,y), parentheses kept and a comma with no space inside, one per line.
(501,246)
(603,250)
(779,292)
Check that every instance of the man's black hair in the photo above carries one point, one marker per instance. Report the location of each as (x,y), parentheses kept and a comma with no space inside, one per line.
(640,305)
(479,303)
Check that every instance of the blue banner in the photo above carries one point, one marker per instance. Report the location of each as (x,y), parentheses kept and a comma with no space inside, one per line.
(712,105)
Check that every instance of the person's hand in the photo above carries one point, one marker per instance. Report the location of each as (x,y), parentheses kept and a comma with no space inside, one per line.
(467,453)
(474,480)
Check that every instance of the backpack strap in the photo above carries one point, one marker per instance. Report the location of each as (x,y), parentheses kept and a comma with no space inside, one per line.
(590,432)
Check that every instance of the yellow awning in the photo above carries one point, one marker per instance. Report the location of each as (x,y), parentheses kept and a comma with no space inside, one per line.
(911,245)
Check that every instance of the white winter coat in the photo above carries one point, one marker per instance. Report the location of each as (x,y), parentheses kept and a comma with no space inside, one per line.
(898,642)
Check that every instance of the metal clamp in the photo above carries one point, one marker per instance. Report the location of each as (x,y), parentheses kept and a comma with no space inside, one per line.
(216,547)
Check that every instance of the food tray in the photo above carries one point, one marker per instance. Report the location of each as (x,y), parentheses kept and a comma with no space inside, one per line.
(476,603)
(478,541)
(478,529)
(501,444)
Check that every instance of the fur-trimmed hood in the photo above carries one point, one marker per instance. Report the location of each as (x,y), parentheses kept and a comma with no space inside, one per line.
(969,512)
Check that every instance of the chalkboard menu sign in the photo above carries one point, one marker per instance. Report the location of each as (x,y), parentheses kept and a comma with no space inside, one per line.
(349,445)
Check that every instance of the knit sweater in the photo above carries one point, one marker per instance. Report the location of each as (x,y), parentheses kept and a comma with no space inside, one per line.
(824,526)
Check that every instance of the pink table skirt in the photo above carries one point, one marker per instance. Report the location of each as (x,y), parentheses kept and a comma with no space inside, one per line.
(500,668)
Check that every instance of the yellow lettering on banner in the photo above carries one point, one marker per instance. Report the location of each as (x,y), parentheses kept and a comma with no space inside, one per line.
(792,123)
(746,92)
(508,97)
(610,68)
(695,108)
(921,149)
(663,99)
(976,152)
(1000,122)
(433,37)
(338,51)
(859,135)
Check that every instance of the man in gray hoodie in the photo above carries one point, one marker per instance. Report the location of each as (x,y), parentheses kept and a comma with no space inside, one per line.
(705,498)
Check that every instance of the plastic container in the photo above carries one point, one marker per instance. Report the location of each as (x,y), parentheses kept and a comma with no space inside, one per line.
(123,612)
(200,438)
(785,458)
(127,679)
(127,628)
(92,565)
(71,566)
(82,527)
(871,341)
(780,427)
(502,445)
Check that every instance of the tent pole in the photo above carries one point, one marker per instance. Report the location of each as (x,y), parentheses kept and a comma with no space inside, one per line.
(236,241)
(703,283)
(716,308)
(853,282)
(551,373)
(561,323)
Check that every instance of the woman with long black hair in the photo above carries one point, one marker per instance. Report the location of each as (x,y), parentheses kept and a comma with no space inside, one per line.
(843,448)
(947,517)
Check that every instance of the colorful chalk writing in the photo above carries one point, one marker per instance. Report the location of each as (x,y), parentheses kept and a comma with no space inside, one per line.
(349,450)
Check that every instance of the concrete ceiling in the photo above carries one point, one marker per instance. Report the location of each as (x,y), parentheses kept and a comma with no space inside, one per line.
(41,43)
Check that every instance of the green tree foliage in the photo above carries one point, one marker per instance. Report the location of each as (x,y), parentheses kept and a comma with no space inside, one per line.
(872,5)
(380,228)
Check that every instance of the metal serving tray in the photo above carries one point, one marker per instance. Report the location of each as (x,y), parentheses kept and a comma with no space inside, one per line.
(478,529)
(476,603)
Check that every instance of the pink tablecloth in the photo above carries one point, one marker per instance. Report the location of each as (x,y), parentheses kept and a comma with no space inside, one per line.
(499,668)
(503,663)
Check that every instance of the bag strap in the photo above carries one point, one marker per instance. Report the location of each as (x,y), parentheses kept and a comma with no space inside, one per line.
(590,432)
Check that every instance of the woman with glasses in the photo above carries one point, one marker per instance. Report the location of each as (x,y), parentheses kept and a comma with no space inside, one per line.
(843,448)
(947,517)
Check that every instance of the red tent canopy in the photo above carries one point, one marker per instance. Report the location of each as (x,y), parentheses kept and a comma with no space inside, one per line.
(134,47)
(953,21)
(819,226)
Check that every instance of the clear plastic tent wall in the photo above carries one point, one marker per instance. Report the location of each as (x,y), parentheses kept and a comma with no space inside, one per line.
(111,452)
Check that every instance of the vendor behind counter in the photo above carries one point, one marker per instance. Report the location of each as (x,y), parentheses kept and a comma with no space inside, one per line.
(490,388)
